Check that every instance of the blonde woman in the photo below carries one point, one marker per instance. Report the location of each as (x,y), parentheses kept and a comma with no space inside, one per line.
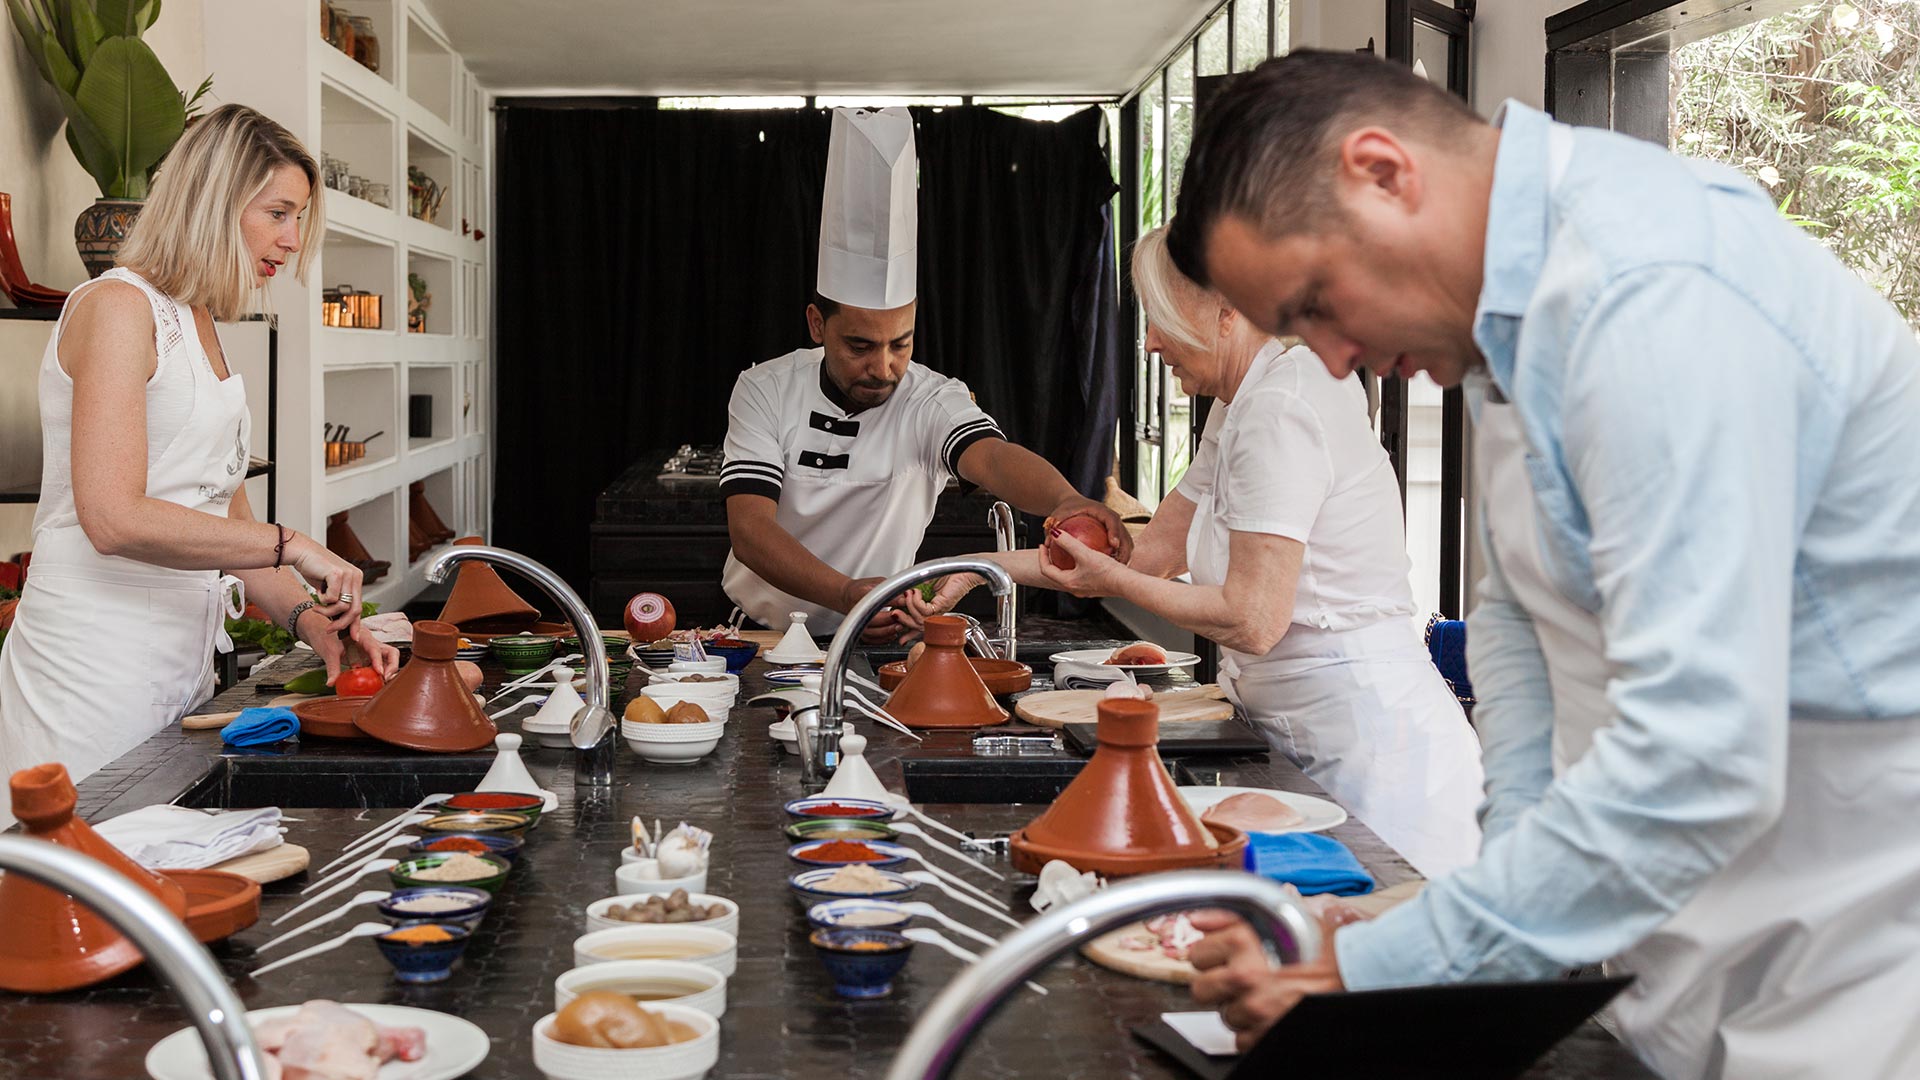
(143,536)
(1289,524)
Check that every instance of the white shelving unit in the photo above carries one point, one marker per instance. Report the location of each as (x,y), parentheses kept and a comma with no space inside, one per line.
(422,108)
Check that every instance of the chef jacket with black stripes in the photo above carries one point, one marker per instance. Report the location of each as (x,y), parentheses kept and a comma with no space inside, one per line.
(856,487)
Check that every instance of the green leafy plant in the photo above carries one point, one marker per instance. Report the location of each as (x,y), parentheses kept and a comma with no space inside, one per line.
(123,110)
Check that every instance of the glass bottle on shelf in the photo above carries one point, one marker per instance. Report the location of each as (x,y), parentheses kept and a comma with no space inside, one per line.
(366,42)
(343,31)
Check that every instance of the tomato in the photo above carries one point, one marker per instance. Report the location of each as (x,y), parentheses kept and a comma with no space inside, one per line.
(358,682)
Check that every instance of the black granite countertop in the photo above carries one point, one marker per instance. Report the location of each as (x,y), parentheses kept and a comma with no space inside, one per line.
(637,497)
(782,1020)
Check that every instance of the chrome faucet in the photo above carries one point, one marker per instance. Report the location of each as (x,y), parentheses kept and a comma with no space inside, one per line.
(593,727)
(818,727)
(934,1045)
(183,962)
(1000,517)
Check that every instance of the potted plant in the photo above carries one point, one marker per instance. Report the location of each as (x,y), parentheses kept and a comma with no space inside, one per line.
(123,110)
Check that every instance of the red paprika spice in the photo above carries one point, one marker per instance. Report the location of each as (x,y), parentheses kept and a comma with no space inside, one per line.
(460,843)
(845,851)
(492,800)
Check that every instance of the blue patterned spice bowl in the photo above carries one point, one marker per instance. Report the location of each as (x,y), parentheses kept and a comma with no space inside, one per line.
(428,959)
(861,963)
(498,846)
(859,914)
(454,905)
(808,887)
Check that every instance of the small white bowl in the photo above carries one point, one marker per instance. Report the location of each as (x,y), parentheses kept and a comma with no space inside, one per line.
(640,729)
(679,1061)
(630,878)
(714,665)
(727,921)
(706,988)
(716,949)
(558,737)
(727,681)
(672,753)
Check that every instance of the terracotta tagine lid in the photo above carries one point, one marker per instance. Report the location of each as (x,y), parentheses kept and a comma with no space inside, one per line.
(943,690)
(53,942)
(1122,815)
(426,705)
(481,603)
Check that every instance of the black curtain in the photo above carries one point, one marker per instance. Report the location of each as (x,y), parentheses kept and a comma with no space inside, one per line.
(644,258)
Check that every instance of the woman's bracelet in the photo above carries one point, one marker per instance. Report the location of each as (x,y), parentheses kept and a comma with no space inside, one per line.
(293,619)
(280,549)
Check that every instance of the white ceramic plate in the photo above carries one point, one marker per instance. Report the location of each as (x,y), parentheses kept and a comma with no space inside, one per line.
(1321,815)
(454,1046)
(1099,657)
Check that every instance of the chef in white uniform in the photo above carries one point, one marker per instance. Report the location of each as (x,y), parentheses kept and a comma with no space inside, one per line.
(835,455)
(1696,649)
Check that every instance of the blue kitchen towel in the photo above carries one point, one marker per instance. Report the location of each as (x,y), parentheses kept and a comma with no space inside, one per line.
(1309,862)
(260,727)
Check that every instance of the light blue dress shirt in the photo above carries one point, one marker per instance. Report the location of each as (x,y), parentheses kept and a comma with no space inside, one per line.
(1723,426)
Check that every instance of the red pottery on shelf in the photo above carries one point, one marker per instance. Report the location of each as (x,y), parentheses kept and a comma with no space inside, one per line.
(481,603)
(1122,814)
(427,705)
(53,942)
(943,690)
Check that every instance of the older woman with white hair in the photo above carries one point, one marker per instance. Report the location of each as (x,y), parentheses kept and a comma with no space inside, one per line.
(1289,524)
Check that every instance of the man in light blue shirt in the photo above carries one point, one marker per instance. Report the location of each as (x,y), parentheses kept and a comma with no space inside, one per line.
(1697,648)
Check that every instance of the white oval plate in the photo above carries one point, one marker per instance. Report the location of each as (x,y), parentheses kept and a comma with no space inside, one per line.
(454,1046)
(1099,656)
(1321,815)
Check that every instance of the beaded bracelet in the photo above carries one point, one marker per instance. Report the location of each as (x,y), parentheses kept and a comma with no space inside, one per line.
(293,619)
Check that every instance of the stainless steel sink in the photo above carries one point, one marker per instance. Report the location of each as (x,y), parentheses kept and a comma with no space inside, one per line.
(306,782)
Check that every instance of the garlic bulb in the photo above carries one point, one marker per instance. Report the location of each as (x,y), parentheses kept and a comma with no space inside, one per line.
(683,851)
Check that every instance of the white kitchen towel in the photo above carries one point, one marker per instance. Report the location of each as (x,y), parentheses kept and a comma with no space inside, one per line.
(1072,675)
(165,837)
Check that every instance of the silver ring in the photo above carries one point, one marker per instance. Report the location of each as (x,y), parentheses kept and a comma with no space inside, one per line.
(346,597)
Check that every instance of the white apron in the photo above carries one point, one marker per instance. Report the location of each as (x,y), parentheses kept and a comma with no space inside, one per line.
(106,651)
(1368,717)
(1802,957)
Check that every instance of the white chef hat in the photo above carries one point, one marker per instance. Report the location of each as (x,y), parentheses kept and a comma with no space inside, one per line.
(869,217)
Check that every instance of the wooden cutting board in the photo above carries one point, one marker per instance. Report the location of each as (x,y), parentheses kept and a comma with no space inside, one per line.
(766,639)
(1058,708)
(272,864)
(1156,966)
(216,721)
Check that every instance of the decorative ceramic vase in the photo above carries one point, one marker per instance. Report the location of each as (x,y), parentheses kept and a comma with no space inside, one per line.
(344,542)
(943,690)
(418,542)
(13,274)
(427,705)
(1122,814)
(101,229)
(54,942)
(481,603)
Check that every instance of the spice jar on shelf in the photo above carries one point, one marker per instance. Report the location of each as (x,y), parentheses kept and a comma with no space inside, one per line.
(343,31)
(366,42)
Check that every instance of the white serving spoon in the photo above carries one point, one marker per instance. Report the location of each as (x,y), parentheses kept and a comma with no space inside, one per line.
(936,938)
(908,828)
(543,674)
(925,878)
(921,907)
(400,820)
(372,840)
(900,801)
(377,866)
(398,841)
(879,714)
(365,929)
(530,699)
(371,896)
(952,878)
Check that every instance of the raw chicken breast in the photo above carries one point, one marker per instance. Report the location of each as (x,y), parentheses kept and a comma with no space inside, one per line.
(328,1041)
(1253,812)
